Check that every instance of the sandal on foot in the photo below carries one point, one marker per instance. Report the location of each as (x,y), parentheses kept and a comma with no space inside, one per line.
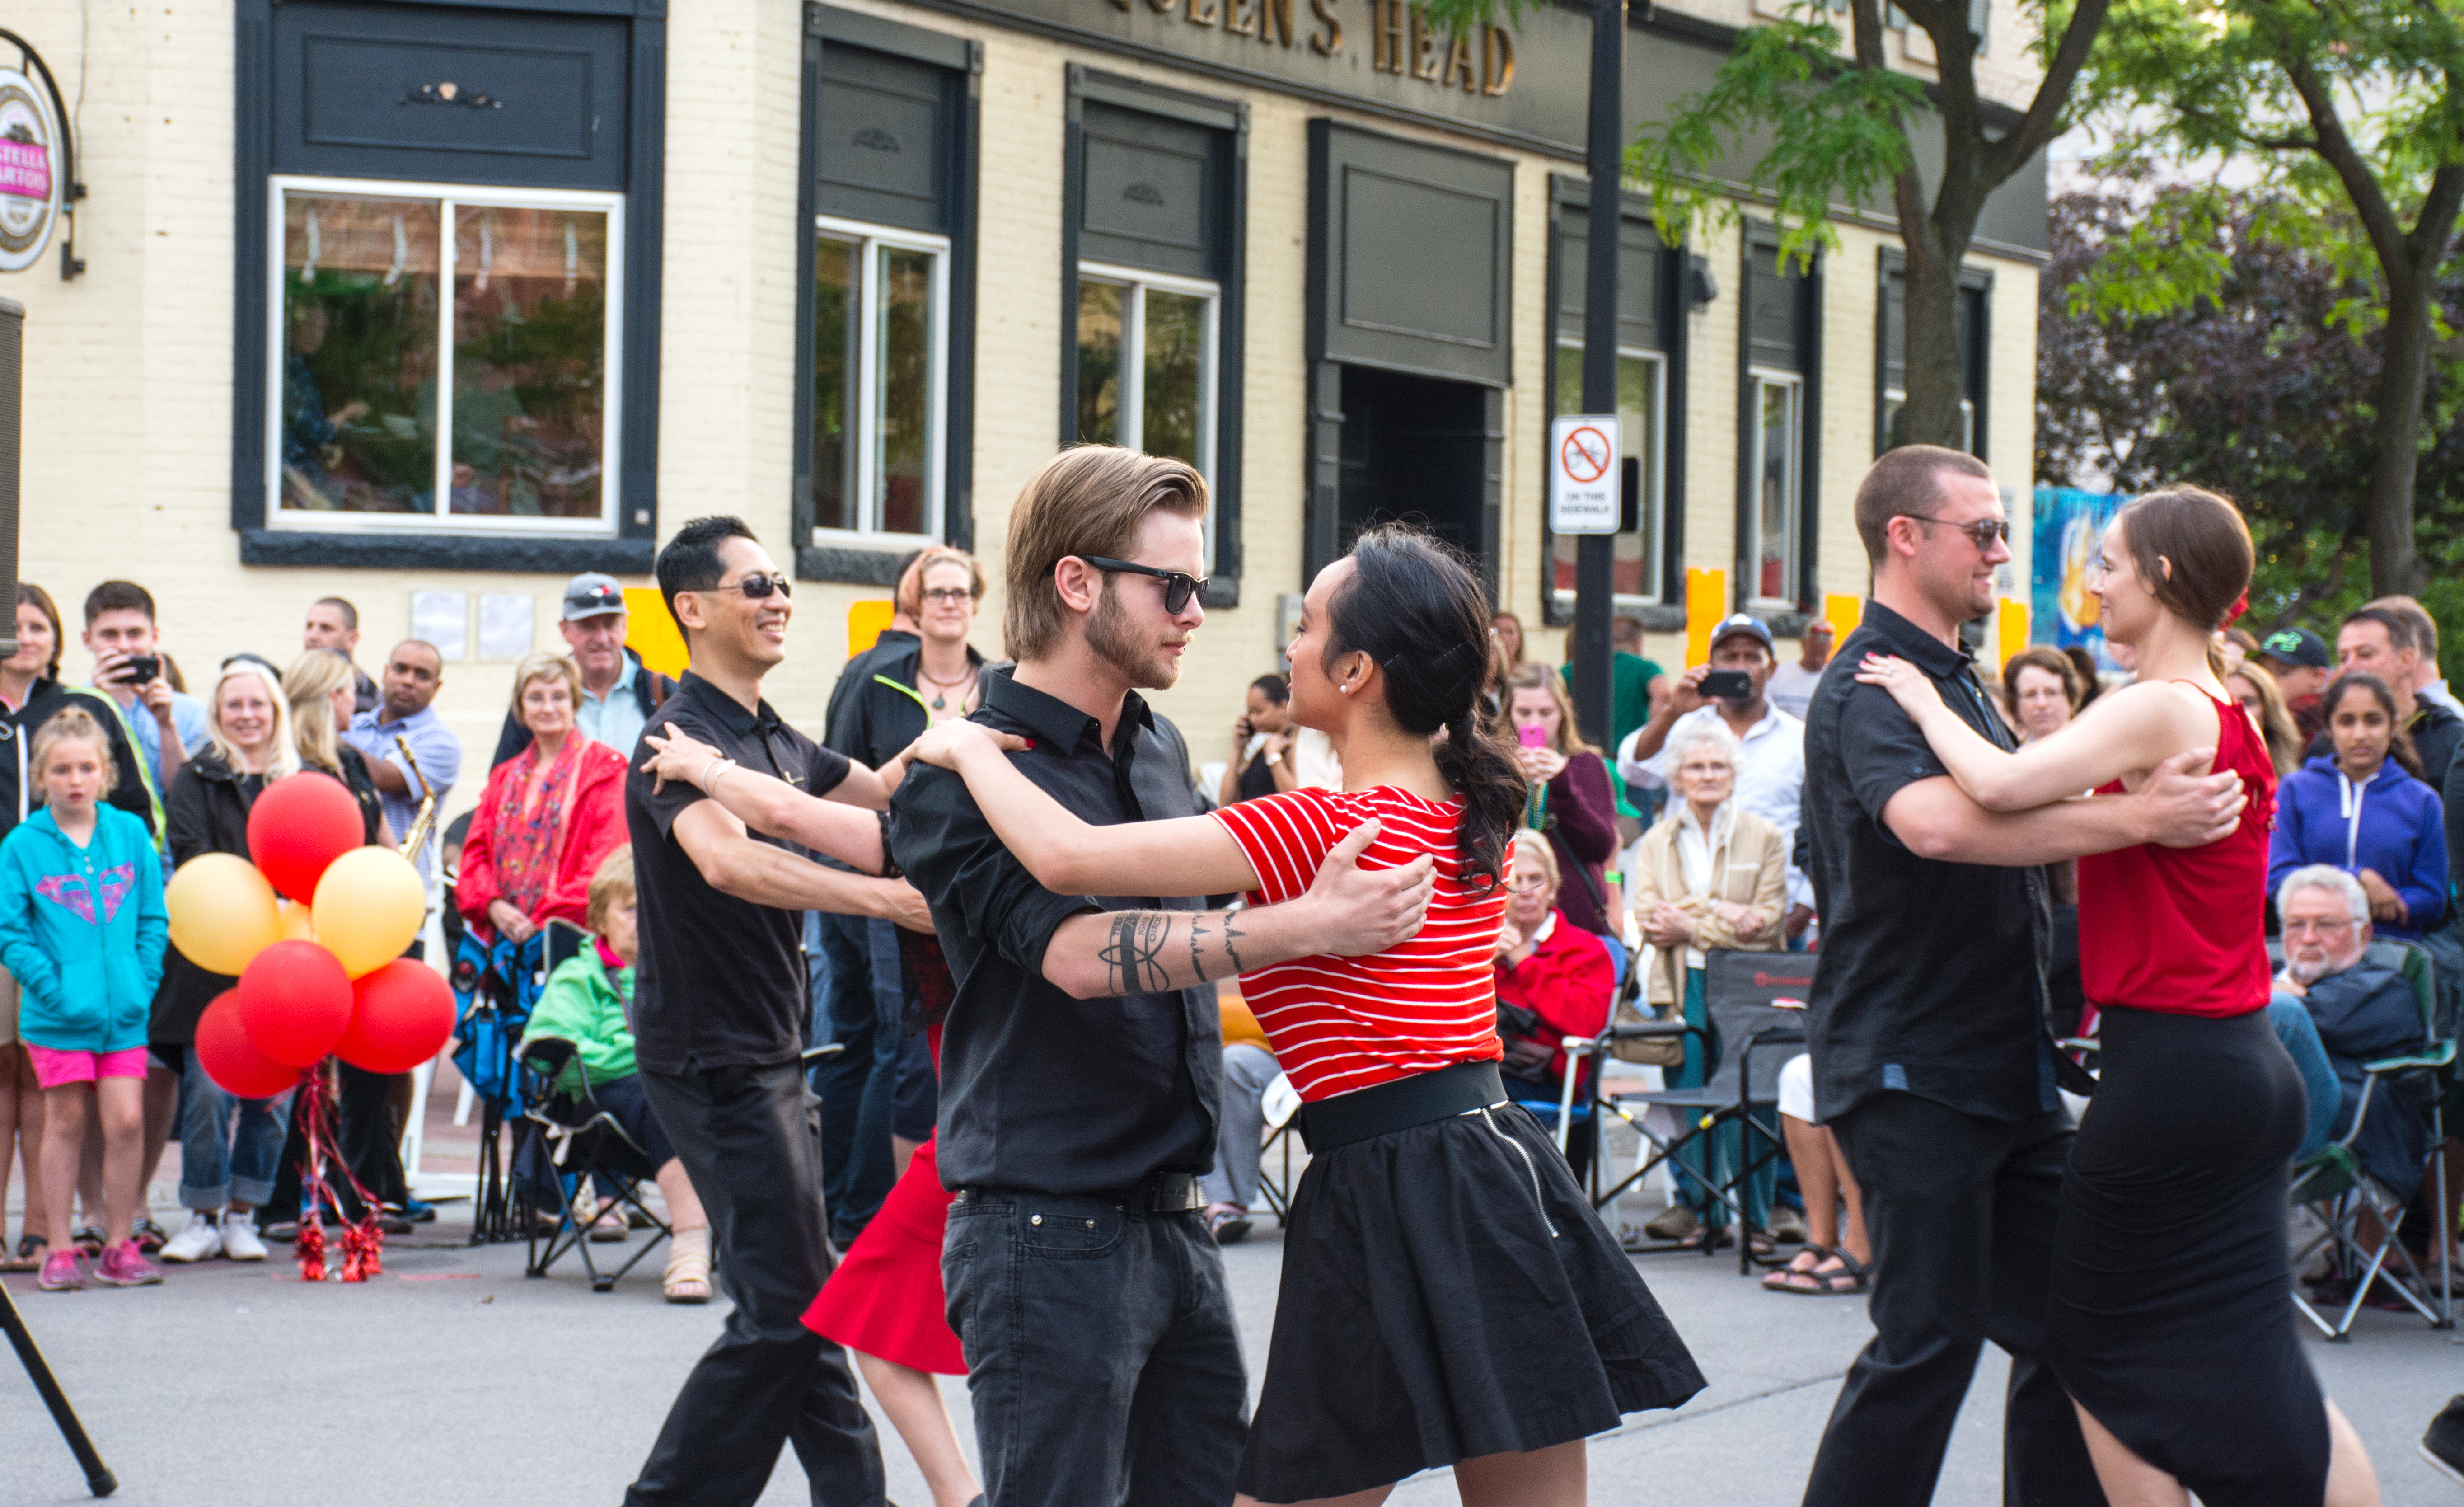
(1802,1264)
(1718,1236)
(687,1278)
(1848,1279)
(1227,1225)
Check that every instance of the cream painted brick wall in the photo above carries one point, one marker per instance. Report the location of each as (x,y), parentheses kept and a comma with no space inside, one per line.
(128,407)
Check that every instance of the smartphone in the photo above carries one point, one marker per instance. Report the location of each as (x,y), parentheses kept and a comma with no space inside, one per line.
(142,670)
(1727,685)
(1533,735)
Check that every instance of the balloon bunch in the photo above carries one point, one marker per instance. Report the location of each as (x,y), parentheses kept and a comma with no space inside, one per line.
(315,931)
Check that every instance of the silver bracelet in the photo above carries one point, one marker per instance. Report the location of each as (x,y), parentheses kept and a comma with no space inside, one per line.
(718,765)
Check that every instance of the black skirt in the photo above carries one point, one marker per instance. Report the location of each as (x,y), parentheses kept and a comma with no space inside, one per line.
(1448,1293)
(2170,1319)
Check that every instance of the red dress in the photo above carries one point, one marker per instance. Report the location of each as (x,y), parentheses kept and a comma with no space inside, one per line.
(885,1298)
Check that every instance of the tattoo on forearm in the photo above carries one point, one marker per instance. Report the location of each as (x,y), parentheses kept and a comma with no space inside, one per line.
(1135,956)
(1140,947)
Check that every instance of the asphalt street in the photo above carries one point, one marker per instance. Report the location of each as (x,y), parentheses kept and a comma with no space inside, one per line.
(452,1379)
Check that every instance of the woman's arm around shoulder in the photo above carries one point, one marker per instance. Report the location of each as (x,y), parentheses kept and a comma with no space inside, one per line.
(1067,855)
(2122,733)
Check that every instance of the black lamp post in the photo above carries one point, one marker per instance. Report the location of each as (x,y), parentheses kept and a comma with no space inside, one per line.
(1596,553)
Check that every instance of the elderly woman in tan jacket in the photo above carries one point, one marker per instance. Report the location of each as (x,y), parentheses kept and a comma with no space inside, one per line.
(1708,876)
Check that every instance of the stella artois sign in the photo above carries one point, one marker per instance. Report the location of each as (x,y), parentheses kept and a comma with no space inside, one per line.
(31,178)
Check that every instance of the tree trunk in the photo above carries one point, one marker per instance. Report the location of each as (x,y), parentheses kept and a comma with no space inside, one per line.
(1930,415)
(2396,564)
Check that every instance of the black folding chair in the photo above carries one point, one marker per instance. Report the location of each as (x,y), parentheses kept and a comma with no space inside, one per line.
(575,1138)
(1740,994)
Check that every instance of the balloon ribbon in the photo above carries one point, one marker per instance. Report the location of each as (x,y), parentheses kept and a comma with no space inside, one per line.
(362,1238)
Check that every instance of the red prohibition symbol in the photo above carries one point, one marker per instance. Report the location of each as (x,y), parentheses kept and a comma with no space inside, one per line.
(1585,455)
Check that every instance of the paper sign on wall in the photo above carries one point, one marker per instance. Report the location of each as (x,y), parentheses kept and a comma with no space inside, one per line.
(1583,474)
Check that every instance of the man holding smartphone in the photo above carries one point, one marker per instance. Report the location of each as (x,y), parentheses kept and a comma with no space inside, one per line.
(1771,743)
(167,725)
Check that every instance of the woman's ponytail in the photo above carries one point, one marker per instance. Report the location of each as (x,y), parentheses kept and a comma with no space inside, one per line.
(1416,608)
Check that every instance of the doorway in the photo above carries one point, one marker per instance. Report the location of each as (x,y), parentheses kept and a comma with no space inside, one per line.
(1422,450)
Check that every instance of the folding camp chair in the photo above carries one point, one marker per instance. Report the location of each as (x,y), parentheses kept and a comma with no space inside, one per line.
(1281,1104)
(2337,1189)
(1741,993)
(579,1144)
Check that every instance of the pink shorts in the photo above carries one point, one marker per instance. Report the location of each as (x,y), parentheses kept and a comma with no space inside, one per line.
(55,1069)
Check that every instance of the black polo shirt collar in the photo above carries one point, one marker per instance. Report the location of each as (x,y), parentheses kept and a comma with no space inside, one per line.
(1056,720)
(731,712)
(1916,646)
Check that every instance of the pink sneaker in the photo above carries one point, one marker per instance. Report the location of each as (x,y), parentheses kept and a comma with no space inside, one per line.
(123,1265)
(62,1271)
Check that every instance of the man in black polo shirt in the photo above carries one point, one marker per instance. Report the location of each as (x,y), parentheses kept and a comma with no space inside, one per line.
(1930,1061)
(719,1029)
(1079,1066)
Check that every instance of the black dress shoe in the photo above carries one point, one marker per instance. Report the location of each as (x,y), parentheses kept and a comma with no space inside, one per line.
(2443,1446)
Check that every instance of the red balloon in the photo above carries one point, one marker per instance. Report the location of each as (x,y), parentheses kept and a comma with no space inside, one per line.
(403,1015)
(299,825)
(231,1059)
(294,999)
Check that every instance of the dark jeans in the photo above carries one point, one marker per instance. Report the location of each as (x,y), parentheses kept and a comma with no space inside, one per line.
(747,1139)
(1101,1354)
(863,1005)
(1962,1213)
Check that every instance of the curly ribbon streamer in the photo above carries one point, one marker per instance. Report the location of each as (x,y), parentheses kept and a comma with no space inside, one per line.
(363,1238)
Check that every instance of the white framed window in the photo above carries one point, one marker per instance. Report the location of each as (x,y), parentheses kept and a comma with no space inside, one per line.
(1146,364)
(1776,401)
(447,357)
(1895,399)
(881,379)
(1642,384)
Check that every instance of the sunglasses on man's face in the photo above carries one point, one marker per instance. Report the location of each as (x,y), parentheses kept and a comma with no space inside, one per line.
(1984,533)
(756,585)
(1178,587)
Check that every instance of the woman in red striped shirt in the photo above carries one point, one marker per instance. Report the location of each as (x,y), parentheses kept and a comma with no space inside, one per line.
(1448,1296)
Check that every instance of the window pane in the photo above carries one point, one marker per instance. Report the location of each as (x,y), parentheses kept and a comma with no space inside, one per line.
(834,293)
(530,361)
(359,316)
(1636,571)
(904,405)
(1099,362)
(1172,406)
(1776,508)
(1635,567)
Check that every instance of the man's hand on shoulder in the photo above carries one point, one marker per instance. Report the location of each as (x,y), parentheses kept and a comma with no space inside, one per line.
(1356,912)
(2183,804)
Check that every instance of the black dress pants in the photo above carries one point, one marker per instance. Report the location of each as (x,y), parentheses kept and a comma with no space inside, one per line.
(748,1139)
(1962,1210)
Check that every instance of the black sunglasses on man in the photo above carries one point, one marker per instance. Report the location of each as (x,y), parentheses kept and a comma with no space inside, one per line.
(1178,585)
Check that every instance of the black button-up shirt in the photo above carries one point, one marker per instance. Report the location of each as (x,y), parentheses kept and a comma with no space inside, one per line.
(721,980)
(1931,976)
(1042,1092)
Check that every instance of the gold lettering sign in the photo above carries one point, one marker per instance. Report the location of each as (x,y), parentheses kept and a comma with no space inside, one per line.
(1401,38)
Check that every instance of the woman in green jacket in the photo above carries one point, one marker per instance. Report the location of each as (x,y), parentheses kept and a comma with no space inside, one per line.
(587,1001)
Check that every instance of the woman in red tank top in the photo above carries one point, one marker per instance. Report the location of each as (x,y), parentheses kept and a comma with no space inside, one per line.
(2169,1324)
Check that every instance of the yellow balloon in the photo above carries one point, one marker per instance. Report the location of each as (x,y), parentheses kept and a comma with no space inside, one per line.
(221,911)
(296,923)
(368,907)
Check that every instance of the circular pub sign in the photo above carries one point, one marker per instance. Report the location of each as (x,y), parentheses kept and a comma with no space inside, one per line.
(30,171)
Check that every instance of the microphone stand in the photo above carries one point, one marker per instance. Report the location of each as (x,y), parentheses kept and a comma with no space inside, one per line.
(99,1479)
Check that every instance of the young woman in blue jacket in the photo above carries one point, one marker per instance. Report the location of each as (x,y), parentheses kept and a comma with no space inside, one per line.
(2363,811)
(82,930)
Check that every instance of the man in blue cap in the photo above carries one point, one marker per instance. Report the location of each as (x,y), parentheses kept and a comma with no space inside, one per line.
(618,692)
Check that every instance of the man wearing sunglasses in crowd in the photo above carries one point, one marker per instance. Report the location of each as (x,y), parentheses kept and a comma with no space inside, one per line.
(718,1023)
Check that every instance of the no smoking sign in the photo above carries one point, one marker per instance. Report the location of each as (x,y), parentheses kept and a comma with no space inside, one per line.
(1583,493)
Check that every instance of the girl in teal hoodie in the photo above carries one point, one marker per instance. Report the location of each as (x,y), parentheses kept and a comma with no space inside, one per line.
(83,929)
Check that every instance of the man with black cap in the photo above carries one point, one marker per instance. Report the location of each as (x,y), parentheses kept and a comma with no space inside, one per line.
(2300,660)
(619,692)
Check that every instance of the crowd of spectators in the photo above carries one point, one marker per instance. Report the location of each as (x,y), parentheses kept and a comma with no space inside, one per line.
(1675,838)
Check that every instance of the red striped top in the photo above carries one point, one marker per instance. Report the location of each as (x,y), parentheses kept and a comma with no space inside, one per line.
(1340,1024)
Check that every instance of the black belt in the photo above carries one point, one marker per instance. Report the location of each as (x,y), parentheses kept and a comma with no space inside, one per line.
(1156,1193)
(1420,1099)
